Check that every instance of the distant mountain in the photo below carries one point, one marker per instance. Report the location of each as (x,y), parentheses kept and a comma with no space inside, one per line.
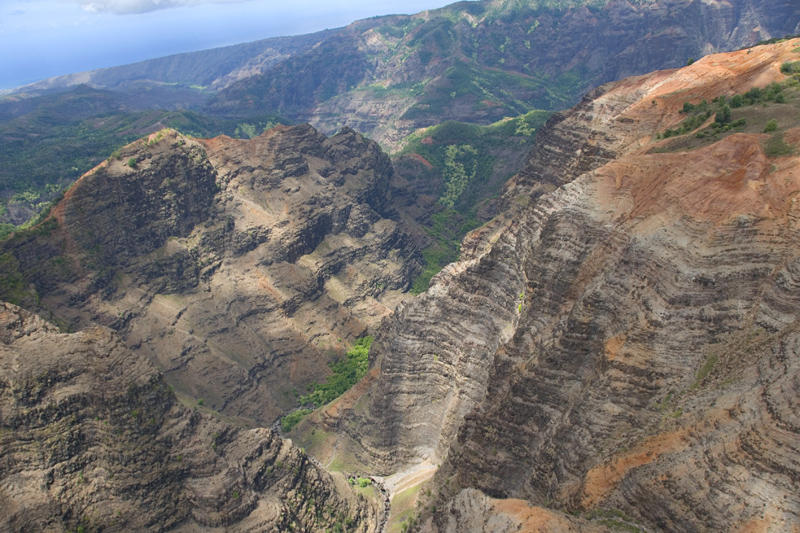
(208,69)
(471,61)
(386,77)
(482,61)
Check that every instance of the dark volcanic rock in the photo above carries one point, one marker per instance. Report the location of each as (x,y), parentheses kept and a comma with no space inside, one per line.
(92,438)
(241,268)
(625,344)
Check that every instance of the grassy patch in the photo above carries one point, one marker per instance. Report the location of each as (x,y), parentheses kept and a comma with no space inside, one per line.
(776,147)
(613,519)
(447,230)
(759,110)
(403,505)
(346,373)
(337,465)
(369,492)
(292,419)
(705,370)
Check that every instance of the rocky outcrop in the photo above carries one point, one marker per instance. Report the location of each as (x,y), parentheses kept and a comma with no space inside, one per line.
(625,343)
(92,438)
(241,268)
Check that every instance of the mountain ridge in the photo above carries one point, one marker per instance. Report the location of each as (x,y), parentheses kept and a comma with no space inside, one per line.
(632,311)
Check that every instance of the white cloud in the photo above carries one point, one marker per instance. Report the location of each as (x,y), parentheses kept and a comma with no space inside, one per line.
(127,7)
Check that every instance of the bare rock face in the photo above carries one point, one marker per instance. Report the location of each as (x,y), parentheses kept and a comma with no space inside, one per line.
(241,268)
(627,341)
(472,510)
(92,438)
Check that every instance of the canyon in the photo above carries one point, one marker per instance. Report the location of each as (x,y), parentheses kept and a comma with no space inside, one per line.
(621,339)
(615,348)
(385,77)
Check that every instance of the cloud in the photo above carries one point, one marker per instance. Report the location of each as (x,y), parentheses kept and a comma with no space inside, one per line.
(128,7)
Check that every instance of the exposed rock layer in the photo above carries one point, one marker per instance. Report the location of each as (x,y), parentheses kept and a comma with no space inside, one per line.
(240,267)
(92,438)
(626,341)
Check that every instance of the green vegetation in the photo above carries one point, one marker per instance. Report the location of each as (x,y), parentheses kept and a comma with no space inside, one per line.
(791,67)
(403,515)
(776,147)
(460,167)
(13,286)
(774,40)
(613,519)
(705,370)
(292,419)
(723,116)
(361,482)
(491,89)
(447,230)
(472,163)
(346,372)
(752,111)
(49,141)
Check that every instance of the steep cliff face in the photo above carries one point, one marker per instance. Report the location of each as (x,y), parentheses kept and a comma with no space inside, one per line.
(240,267)
(93,439)
(627,342)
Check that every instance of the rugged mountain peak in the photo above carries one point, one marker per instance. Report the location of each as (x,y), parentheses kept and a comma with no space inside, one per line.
(156,188)
(94,439)
(240,267)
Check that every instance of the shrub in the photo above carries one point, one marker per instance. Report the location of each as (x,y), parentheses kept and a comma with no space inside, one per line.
(723,115)
(753,94)
(132,162)
(776,147)
(772,125)
(292,419)
(346,373)
(791,67)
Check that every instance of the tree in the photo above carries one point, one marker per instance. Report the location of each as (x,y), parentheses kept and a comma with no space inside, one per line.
(723,115)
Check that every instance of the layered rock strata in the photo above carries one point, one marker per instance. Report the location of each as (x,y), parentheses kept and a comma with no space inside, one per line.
(241,268)
(93,439)
(626,342)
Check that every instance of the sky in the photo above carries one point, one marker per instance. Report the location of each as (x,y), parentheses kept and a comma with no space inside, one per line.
(43,38)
